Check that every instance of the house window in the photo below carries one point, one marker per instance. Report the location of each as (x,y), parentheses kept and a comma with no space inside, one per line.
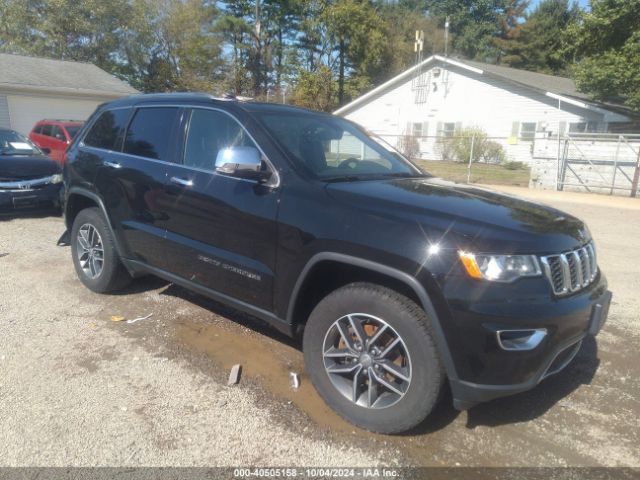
(528,130)
(448,129)
(583,127)
(416,129)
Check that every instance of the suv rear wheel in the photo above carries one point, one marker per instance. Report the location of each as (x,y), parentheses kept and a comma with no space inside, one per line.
(370,354)
(94,253)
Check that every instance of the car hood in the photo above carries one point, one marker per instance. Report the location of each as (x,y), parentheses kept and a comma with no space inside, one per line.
(25,167)
(481,219)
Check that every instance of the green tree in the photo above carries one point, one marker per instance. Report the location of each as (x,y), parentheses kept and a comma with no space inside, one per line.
(402,19)
(173,46)
(15,18)
(606,43)
(67,29)
(538,43)
(474,24)
(316,89)
(357,37)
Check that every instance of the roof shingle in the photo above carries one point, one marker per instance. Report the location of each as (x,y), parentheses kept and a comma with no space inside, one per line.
(59,75)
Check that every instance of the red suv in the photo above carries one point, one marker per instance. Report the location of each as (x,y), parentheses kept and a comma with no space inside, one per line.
(54,136)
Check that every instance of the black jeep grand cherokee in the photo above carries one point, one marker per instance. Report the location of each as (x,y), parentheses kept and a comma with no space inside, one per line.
(398,281)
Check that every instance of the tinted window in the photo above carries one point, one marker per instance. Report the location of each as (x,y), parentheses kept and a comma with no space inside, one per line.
(331,147)
(108,130)
(73,130)
(149,134)
(46,130)
(209,132)
(38,129)
(57,133)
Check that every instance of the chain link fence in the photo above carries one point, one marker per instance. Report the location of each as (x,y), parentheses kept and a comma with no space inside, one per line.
(591,162)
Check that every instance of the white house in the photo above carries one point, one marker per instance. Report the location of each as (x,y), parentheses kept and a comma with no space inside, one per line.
(440,95)
(33,89)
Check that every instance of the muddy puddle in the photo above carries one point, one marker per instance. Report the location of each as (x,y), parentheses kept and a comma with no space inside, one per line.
(264,360)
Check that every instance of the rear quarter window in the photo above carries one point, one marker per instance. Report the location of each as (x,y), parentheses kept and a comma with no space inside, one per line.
(108,130)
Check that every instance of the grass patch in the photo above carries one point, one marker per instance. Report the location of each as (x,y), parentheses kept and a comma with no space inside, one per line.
(480,172)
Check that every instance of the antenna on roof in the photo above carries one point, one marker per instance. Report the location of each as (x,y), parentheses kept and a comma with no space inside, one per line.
(418,82)
(446,36)
(418,45)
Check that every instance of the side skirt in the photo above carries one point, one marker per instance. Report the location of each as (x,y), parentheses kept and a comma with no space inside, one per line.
(276,322)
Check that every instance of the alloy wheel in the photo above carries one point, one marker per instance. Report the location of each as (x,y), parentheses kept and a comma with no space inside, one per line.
(367,361)
(90,250)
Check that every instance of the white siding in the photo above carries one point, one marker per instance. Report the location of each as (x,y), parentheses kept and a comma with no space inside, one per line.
(468,99)
(5,121)
(26,110)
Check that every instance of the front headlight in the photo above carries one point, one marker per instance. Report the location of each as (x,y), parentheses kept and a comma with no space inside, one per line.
(57,178)
(500,268)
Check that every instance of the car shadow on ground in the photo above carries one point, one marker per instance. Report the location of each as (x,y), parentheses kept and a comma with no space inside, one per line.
(551,391)
(518,408)
(522,407)
(236,316)
(15,215)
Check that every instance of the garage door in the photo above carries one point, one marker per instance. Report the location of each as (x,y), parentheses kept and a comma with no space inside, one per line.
(25,111)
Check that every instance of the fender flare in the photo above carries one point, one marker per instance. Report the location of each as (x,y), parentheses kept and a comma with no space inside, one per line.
(83,192)
(410,281)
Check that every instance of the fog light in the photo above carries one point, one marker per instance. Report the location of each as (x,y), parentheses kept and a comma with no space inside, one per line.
(520,340)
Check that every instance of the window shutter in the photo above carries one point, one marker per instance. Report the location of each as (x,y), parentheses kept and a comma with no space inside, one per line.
(458,127)
(439,129)
(409,129)
(425,129)
(515,129)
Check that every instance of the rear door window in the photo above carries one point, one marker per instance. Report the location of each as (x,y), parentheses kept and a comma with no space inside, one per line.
(108,131)
(150,132)
(58,133)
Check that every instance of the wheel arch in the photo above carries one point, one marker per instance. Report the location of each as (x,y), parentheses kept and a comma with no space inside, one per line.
(382,274)
(77,200)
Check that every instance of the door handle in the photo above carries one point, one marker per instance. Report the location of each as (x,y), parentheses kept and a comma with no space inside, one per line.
(182,181)
(111,164)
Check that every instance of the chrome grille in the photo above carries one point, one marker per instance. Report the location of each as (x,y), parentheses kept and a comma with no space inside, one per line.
(571,271)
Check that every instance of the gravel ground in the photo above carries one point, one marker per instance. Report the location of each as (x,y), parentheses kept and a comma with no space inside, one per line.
(77,389)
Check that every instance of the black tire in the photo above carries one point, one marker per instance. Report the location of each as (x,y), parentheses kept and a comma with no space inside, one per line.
(408,321)
(113,276)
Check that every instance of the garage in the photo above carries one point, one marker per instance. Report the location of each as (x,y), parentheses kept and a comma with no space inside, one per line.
(33,89)
(25,111)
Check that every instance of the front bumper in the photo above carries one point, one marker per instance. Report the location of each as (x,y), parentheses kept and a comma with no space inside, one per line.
(47,197)
(485,370)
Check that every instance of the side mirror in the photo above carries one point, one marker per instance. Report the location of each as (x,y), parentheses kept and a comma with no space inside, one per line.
(45,150)
(241,162)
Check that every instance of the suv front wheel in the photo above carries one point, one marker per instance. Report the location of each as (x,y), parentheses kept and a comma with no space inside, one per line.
(370,354)
(94,253)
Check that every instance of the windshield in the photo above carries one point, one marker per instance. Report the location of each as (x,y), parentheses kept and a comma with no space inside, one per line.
(12,143)
(73,130)
(335,149)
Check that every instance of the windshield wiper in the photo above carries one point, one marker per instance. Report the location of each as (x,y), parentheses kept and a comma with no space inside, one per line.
(342,178)
(373,176)
(405,175)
